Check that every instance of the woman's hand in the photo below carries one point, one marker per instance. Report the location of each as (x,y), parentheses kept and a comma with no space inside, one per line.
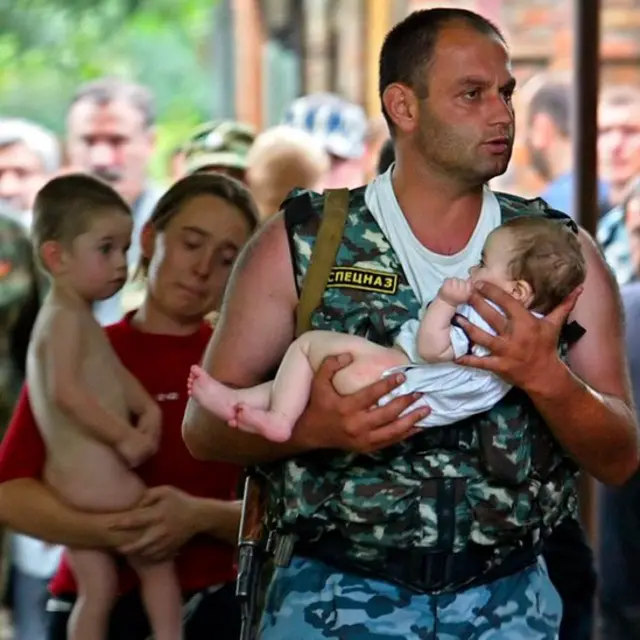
(166,518)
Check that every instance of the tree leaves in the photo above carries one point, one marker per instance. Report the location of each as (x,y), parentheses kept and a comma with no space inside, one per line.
(49,47)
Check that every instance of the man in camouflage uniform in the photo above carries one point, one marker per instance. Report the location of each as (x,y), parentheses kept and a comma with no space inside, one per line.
(18,308)
(221,146)
(19,304)
(398,532)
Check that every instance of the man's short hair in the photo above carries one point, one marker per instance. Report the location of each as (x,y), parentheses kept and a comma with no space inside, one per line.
(66,206)
(554,99)
(387,156)
(106,90)
(546,254)
(38,140)
(408,48)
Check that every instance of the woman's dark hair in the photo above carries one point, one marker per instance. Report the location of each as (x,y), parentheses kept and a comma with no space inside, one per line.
(198,184)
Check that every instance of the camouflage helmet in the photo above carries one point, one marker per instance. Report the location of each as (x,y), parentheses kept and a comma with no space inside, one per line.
(220,143)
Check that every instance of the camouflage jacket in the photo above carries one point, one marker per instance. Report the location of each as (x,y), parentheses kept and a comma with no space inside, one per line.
(19,301)
(489,479)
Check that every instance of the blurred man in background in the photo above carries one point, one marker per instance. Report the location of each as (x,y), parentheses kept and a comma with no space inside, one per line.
(283,158)
(341,129)
(111,135)
(29,157)
(220,146)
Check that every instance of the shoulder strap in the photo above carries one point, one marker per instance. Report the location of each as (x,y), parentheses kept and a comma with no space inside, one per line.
(334,216)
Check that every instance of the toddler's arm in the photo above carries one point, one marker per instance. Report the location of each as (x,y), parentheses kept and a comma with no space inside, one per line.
(65,384)
(141,404)
(434,334)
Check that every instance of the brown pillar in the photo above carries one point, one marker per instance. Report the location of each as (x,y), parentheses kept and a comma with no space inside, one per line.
(317,39)
(378,18)
(248,41)
(587,70)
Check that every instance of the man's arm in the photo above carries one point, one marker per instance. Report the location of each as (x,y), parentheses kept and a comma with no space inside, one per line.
(588,404)
(63,378)
(255,327)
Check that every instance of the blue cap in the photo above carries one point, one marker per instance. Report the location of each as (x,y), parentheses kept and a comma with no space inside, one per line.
(338,125)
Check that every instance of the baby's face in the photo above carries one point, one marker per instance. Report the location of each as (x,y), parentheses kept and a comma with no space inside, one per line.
(494,262)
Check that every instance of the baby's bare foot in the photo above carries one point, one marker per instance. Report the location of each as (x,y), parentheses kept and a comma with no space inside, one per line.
(269,425)
(211,394)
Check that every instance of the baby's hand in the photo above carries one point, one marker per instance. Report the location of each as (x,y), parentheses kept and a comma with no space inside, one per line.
(455,291)
(137,447)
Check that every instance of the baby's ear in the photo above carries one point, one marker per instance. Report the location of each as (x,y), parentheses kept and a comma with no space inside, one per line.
(523,292)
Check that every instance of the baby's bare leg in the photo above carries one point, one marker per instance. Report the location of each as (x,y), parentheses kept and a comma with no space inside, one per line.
(97,579)
(292,385)
(162,598)
(222,400)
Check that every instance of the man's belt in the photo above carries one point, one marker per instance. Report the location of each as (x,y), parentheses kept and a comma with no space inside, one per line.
(428,572)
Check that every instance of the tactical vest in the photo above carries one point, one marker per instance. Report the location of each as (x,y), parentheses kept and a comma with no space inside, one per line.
(490,479)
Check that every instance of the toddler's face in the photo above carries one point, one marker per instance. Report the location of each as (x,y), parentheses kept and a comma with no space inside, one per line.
(98,258)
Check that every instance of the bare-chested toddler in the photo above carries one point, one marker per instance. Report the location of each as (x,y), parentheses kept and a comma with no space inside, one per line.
(538,261)
(96,419)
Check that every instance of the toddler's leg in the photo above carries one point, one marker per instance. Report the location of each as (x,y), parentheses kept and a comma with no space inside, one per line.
(162,598)
(97,579)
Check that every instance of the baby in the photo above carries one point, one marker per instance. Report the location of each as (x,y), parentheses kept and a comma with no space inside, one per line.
(83,398)
(536,260)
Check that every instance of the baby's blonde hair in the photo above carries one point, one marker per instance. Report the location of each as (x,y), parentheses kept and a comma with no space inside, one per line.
(546,253)
(281,159)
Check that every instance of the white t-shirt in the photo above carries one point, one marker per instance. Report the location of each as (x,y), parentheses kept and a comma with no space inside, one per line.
(426,270)
(451,391)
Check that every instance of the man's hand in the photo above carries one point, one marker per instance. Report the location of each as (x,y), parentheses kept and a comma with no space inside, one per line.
(355,422)
(524,346)
(165,519)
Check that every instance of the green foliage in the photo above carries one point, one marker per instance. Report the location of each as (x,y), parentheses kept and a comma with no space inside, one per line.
(49,47)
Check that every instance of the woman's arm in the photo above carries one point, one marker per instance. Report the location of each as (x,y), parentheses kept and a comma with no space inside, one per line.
(169,518)
(217,518)
(29,506)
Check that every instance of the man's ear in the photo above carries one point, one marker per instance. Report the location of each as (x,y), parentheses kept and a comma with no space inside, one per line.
(402,106)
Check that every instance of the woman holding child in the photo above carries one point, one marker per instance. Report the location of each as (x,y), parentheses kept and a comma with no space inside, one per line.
(187,514)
